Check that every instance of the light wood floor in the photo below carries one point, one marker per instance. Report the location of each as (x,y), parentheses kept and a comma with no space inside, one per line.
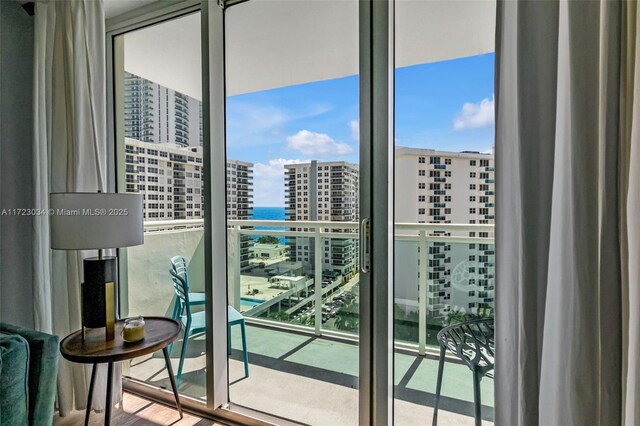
(136,412)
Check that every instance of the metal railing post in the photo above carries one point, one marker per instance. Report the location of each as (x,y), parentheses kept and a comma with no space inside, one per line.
(422,294)
(317,257)
(236,269)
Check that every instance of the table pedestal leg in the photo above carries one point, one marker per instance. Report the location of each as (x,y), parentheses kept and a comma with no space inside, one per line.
(90,398)
(172,379)
(107,413)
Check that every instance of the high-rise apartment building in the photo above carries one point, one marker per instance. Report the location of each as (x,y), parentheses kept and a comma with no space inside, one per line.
(446,187)
(170,178)
(239,189)
(240,202)
(323,191)
(154,113)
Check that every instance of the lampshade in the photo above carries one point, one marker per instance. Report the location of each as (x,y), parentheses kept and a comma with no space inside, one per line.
(87,221)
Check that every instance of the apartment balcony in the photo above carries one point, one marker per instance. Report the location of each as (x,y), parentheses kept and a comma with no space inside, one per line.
(297,350)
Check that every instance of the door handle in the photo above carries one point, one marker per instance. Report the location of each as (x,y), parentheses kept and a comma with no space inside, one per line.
(365,241)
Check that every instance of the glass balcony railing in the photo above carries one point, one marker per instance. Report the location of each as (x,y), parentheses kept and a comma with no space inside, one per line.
(308,282)
(280,285)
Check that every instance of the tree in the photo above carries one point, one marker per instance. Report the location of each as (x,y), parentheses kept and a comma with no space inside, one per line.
(278,316)
(457,316)
(268,239)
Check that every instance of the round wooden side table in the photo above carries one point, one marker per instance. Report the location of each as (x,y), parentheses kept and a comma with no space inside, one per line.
(159,332)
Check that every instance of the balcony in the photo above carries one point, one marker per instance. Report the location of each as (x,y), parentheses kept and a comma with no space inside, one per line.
(295,349)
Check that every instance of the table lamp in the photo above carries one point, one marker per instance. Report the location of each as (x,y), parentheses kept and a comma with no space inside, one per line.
(90,221)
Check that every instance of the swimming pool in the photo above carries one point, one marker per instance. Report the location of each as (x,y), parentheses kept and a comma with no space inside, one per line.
(247,302)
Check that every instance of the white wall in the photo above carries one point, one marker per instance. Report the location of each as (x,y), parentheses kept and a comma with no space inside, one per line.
(16,122)
(149,287)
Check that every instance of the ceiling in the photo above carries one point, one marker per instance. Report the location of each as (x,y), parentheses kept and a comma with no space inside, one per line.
(276,43)
(118,7)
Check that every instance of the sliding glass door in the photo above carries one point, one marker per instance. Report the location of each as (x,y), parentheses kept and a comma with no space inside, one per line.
(307,241)
(292,202)
(444,200)
(157,99)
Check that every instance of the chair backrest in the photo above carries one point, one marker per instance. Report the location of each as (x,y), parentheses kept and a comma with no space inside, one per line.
(179,265)
(182,292)
(472,341)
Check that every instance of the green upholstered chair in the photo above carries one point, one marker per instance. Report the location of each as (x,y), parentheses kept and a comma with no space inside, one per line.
(28,376)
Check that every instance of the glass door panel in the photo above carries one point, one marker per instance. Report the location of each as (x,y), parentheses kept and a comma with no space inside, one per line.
(292,207)
(157,80)
(444,199)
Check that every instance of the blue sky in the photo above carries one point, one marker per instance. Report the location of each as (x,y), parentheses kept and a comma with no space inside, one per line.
(444,105)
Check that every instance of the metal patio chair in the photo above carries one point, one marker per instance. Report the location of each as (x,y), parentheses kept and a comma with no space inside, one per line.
(473,342)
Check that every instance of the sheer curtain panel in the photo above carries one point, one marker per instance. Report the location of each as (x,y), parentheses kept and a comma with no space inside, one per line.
(69,156)
(568,228)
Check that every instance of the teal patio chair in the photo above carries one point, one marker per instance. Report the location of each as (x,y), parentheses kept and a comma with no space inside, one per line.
(195,323)
(235,318)
(179,266)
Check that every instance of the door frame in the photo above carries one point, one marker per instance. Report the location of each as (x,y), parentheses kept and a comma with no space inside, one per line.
(376,205)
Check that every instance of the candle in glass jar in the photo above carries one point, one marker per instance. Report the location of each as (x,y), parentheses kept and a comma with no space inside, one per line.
(133,330)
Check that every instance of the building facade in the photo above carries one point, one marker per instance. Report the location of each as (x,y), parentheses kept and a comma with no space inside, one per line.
(171,181)
(240,202)
(168,176)
(154,113)
(446,187)
(323,191)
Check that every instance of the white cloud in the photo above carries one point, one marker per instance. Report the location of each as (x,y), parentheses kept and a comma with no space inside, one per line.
(255,117)
(268,182)
(314,144)
(354,125)
(474,116)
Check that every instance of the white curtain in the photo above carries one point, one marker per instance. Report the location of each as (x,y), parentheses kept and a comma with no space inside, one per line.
(568,213)
(70,156)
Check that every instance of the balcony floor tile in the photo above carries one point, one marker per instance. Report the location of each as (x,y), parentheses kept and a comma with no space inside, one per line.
(314,380)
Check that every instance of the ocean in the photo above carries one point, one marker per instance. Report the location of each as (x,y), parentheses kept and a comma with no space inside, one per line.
(269,213)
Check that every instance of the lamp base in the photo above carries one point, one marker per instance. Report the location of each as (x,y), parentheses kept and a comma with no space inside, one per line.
(98,295)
